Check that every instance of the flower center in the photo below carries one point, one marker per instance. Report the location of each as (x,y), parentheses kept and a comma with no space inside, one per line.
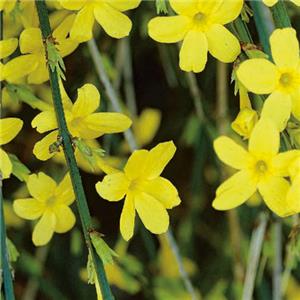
(286,79)
(51,201)
(135,185)
(261,167)
(201,21)
(199,17)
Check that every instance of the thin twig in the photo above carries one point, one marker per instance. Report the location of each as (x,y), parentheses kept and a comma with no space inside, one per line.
(98,63)
(79,192)
(255,249)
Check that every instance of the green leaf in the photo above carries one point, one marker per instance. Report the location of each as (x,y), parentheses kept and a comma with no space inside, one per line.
(19,169)
(13,253)
(161,7)
(103,250)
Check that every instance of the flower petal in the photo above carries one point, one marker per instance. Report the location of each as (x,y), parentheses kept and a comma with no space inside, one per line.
(234,191)
(122,5)
(168,29)
(114,23)
(65,219)
(269,2)
(127,218)
(98,124)
(7,47)
(9,128)
(113,187)
(227,11)
(64,191)
(152,213)
(158,158)
(222,44)
(293,196)
(29,208)
(193,52)
(44,229)
(88,100)
(295,97)
(82,29)
(40,74)
(5,164)
(274,191)
(41,148)
(44,121)
(258,75)
(72,5)
(231,153)
(31,41)
(283,161)
(164,191)
(277,107)
(264,138)
(185,7)
(285,48)
(19,67)
(136,164)
(41,186)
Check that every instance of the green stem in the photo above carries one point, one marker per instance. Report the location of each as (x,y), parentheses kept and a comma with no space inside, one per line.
(4,259)
(277,268)
(70,158)
(280,15)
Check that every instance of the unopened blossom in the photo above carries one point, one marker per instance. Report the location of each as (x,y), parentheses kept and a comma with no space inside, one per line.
(145,191)
(200,25)
(49,203)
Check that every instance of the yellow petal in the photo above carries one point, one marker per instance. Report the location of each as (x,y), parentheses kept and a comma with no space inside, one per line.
(98,124)
(230,194)
(164,191)
(44,229)
(227,11)
(222,44)
(82,29)
(41,186)
(277,108)
(40,74)
(72,5)
(168,29)
(293,196)
(65,219)
(295,97)
(158,158)
(136,164)
(258,75)
(88,100)
(41,148)
(7,47)
(113,187)
(274,192)
(185,7)
(67,46)
(283,161)
(29,208)
(114,23)
(146,126)
(31,41)
(122,5)
(152,213)
(193,52)
(230,152)
(269,2)
(62,30)
(64,191)
(5,164)
(296,2)
(44,121)
(9,128)
(19,67)
(127,218)
(285,48)
(264,138)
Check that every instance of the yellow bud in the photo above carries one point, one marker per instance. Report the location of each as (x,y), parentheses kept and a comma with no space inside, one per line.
(245,122)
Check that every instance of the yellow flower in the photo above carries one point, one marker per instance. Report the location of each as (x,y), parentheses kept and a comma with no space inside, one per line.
(281,79)
(108,13)
(273,2)
(33,63)
(260,168)
(7,5)
(11,219)
(7,47)
(200,24)
(82,120)
(50,204)
(146,191)
(9,128)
